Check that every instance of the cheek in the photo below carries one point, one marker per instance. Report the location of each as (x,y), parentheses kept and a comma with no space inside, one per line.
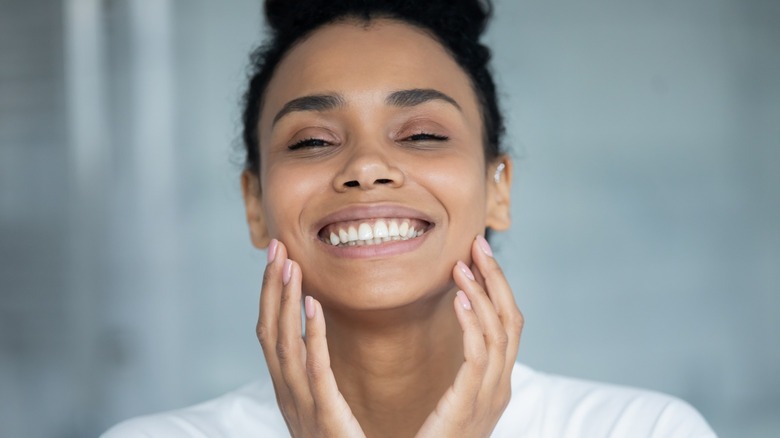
(460,186)
(286,193)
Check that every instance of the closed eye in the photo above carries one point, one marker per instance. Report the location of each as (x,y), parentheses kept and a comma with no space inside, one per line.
(308,143)
(423,136)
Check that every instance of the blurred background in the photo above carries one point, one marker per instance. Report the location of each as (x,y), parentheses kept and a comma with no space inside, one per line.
(645,249)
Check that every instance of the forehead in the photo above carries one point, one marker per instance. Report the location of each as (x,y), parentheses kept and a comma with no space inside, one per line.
(366,61)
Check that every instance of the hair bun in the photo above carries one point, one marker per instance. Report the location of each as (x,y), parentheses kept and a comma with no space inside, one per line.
(469,17)
(283,14)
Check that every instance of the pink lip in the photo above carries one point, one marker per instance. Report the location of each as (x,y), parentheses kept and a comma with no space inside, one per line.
(387,249)
(363,212)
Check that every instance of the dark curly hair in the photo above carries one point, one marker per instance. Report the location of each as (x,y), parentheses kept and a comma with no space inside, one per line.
(456,24)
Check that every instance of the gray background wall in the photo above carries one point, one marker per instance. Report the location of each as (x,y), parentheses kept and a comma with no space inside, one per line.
(645,247)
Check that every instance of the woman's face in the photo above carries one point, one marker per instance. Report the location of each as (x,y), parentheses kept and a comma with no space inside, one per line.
(366,132)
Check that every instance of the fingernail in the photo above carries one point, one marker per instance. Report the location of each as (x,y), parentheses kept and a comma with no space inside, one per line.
(286,271)
(308,304)
(462,266)
(464,300)
(484,245)
(272,250)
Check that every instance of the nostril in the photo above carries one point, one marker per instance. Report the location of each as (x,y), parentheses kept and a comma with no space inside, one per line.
(352,183)
(383,181)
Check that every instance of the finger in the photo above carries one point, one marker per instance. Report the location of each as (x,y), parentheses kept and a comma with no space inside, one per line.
(478,276)
(501,295)
(498,287)
(290,348)
(469,379)
(267,323)
(495,337)
(317,356)
(483,307)
(496,284)
(321,379)
(331,409)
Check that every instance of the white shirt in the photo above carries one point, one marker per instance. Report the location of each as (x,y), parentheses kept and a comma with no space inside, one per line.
(541,406)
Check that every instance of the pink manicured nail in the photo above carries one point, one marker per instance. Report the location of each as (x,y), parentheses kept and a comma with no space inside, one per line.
(484,245)
(462,266)
(272,250)
(308,304)
(286,272)
(464,300)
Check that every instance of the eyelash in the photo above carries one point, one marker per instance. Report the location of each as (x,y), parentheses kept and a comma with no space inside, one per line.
(318,142)
(424,136)
(308,143)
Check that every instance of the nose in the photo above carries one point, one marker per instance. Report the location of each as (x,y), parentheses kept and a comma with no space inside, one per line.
(368,168)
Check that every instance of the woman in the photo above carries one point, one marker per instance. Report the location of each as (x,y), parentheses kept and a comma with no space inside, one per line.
(373,172)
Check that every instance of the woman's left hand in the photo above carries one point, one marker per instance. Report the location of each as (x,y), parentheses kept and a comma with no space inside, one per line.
(492,325)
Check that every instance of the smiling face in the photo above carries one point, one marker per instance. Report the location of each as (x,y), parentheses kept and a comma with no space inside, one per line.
(372,165)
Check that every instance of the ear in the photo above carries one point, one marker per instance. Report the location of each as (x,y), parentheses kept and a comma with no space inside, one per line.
(499,187)
(250,188)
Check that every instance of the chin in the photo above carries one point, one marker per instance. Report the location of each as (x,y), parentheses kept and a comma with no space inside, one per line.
(368,291)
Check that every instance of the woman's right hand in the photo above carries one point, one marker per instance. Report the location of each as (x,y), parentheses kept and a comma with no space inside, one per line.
(304,383)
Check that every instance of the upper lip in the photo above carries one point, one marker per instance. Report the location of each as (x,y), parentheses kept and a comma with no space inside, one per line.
(370,211)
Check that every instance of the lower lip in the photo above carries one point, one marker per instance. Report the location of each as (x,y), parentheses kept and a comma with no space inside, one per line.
(384,249)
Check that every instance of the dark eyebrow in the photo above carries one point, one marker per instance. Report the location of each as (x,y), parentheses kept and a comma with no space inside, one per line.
(417,96)
(314,102)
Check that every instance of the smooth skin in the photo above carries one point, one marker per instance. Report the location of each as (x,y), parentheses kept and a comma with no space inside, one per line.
(421,340)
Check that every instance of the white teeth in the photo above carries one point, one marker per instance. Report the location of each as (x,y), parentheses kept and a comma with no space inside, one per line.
(392,229)
(403,228)
(365,232)
(383,230)
(380,229)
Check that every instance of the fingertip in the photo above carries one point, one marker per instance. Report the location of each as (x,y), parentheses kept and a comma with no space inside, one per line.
(308,304)
(463,300)
(286,271)
(462,275)
(484,261)
(272,251)
(314,320)
(318,315)
(464,311)
(280,250)
(466,271)
(484,246)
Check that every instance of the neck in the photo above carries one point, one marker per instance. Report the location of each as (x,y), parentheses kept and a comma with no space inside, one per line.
(393,371)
